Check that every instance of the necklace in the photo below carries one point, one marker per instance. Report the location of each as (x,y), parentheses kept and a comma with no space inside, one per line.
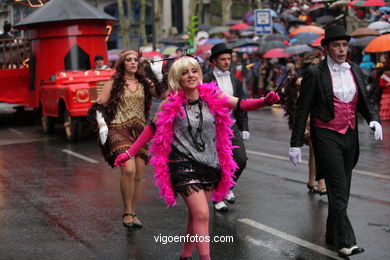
(199,145)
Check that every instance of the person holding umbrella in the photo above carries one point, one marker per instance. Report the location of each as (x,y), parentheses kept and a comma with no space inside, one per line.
(332,92)
(221,58)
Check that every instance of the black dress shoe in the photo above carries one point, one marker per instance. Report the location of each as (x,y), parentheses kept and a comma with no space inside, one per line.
(137,224)
(128,224)
(345,252)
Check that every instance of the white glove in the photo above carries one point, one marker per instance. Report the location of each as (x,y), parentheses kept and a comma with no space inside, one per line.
(245,135)
(294,154)
(103,129)
(378,130)
(156,67)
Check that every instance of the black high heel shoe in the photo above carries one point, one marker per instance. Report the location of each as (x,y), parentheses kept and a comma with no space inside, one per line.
(128,224)
(137,224)
(313,188)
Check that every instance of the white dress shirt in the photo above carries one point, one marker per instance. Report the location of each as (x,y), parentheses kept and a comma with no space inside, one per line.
(224,81)
(343,83)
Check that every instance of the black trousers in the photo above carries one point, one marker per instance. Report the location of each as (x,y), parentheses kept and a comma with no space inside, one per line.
(335,158)
(239,154)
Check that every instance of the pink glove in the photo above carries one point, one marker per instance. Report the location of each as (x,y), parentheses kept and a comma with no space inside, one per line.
(252,104)
(271,98)
(143,139)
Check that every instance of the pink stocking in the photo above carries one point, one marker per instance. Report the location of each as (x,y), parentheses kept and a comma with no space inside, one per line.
(188,246)
(198,208)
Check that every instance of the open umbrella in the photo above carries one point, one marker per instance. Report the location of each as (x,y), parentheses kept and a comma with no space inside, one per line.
(325,19)
(276,53)
(239,26)
(338,3)
(356,3)
(298,49)
(374,3)
(316,6)
(361,42)
(168,50)
(379,25)
(203,48)
(307,28)
(306,37)
(151,54)
(280,28)
(247,49)
(379,44)
(242,43)
(232,22)
(317,42)
(276,37)
(218,29)
(271,45)
(273,13)
(362,32)
(214,41)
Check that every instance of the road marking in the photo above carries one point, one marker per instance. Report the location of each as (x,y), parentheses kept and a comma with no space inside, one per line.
(278,157)
(85,158)
(291,238)
(10,142)
(15,131)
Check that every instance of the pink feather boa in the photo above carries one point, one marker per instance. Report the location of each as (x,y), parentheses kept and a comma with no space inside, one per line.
(161,145)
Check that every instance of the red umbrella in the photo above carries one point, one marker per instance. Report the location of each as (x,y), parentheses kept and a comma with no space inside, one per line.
(151,54)
(239,26)
(203,48)
(276,53)
(375,3)
(317,42)
(316,7)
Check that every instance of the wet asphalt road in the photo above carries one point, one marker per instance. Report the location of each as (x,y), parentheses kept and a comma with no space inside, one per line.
(59,200)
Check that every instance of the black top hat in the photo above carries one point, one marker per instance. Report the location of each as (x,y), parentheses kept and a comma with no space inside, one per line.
(334,33)
(219,49)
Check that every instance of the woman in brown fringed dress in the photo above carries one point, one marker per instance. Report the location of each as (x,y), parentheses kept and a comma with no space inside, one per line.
(124,104)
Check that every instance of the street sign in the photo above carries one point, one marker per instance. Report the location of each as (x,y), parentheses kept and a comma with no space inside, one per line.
(263,21)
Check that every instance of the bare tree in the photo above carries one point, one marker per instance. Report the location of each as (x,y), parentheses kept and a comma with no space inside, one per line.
(124,23)
(142,26)
(157,20)
(226,11)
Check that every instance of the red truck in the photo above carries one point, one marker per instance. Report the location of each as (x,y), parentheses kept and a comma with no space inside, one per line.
(52,69)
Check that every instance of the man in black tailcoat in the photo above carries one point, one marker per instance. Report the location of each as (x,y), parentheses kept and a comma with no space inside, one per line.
(221,58)
(332,92)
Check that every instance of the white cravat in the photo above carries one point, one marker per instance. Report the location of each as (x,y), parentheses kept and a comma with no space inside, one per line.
(344,87)
(224,81)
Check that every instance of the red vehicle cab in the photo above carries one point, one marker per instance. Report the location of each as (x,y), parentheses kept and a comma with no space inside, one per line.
(52,70)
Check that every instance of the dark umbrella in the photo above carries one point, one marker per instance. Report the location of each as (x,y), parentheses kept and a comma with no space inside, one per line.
(325,19)
(298,49)
(361,42)
(280,28)
(276,37)
(242,43)
(268,45)
(306,37)
(173,41)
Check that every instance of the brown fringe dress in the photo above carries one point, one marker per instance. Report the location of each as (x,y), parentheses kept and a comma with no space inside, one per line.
(127,125)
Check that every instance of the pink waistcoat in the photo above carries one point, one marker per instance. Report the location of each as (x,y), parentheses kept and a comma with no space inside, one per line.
(344,115)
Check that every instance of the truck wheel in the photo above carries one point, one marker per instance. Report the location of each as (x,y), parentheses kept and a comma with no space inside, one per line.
(72,127)
(48,124)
